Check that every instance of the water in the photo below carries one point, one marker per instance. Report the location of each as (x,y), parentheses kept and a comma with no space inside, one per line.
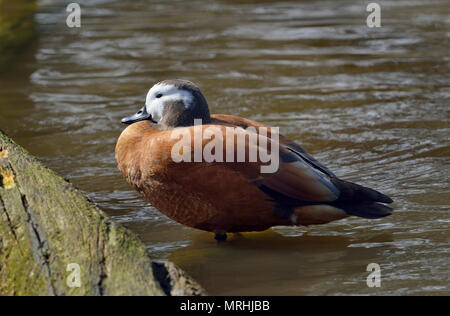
(370,103)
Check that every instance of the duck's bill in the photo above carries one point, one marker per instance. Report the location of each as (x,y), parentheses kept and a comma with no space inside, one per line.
(142,115)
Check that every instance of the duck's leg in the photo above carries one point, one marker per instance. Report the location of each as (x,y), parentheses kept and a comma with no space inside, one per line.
(308,229)
(221,237)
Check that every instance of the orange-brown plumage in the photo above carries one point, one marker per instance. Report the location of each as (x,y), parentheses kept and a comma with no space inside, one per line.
(216,197)
(226,197)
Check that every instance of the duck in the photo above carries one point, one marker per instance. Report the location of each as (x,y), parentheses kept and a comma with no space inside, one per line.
(230,195)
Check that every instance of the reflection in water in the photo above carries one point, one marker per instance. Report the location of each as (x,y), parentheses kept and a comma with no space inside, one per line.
(370,103)
(271,264)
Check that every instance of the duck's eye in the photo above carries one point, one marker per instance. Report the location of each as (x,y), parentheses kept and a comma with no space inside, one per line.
(159,95)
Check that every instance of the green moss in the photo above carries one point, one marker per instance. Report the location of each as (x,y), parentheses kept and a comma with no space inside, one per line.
(16,28)
(16,246)
(47,224)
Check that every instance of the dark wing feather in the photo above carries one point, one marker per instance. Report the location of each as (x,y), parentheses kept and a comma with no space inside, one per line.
(291,145)
(350,196)
(299,150)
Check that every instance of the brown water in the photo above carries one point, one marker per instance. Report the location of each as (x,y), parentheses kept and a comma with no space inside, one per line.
(373,104)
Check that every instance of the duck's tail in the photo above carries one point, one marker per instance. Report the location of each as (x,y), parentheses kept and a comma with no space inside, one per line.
(361,201)
(366,210)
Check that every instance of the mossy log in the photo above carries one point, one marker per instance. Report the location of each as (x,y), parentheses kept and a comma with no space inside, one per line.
(46,225)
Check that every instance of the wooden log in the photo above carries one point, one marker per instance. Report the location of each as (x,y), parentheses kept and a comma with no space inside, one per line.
(48,227)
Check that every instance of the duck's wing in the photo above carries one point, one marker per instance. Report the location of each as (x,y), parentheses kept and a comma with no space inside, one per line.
(289,144)
(297,178)
(286,172)
(296,158)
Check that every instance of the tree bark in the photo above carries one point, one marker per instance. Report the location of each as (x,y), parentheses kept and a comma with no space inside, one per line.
(47,227)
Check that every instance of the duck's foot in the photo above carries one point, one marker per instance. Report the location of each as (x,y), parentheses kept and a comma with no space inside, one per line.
(221,237)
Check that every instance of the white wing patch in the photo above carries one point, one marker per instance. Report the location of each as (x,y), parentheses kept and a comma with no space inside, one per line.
(155,106)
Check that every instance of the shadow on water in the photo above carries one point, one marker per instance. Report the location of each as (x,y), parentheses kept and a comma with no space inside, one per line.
(269,263)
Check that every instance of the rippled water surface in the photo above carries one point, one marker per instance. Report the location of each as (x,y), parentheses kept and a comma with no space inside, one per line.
(373,104)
